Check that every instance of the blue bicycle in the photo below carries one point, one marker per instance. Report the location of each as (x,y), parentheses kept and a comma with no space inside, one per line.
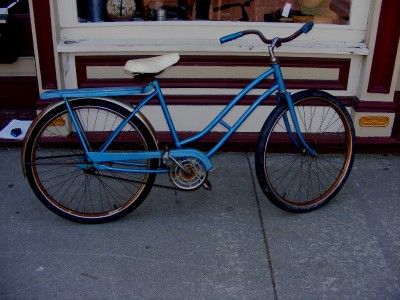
(91,158)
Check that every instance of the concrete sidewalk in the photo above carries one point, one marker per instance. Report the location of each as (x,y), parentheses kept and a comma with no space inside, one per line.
(225,244)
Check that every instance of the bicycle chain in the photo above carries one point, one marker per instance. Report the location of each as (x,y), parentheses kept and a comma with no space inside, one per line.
(206,184)
(141,182)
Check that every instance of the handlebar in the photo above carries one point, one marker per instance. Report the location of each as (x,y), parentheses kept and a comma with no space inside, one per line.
(306,28)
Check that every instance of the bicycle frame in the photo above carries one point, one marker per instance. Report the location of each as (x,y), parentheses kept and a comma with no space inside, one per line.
(155,91)
(81,155)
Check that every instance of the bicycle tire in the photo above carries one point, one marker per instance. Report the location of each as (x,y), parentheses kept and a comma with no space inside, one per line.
(292,179)
(52,156)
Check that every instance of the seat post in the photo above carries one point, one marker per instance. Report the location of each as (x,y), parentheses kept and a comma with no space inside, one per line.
(146,77)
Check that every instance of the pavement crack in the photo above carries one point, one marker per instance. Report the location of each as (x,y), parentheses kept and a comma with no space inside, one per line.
(264,234)
(88,275)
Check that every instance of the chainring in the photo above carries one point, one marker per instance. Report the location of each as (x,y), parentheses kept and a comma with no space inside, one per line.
(191,176)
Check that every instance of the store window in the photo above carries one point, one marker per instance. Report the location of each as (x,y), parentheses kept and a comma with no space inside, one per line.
(287,11)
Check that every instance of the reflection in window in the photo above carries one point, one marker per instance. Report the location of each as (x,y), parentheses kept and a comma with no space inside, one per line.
(319,11)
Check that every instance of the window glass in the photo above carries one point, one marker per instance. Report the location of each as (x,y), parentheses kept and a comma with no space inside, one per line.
(319,11)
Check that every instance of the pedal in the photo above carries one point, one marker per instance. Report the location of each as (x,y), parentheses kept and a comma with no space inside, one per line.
(207,185)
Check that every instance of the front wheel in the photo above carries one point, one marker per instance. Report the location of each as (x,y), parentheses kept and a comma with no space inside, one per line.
(56,165)
(289,176)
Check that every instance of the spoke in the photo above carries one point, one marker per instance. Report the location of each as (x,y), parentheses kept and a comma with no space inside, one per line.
(292,178)
(103,188)
(281,163)
(290,168)
(57,154)
(83,194)
(322,119)
(310,178)
(337,167)
(67,190)
(330,120)
(110,191)
(87,120)
(120,178)
(281,126)
(95,120)
(301,182)
(58,176)
(112,126)
(47,170)
(123,182)
(101,194)
(76,193)
(105,123)
(312,110)
(318,178)
(333,122)
(323,172)
(301,117)
(63,182)
(110,188)
(51,163)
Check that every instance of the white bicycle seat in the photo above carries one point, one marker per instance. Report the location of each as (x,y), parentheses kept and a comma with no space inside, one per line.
(151,65)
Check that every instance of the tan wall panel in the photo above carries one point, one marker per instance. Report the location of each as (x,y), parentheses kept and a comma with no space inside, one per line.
(22,67)
(398,82)
(385,131)
(112,72)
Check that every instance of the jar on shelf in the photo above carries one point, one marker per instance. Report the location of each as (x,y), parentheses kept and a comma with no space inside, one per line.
(121,10)
(95,10)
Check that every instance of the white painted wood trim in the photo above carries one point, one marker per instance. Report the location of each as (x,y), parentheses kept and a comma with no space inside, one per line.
(207,45)
(35,48)
(204,35)
(54,24)
(55,37)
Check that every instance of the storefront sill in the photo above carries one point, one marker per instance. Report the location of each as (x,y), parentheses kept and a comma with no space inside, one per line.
(104,46)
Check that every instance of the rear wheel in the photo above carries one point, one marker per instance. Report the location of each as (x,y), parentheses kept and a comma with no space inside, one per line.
(60,175)
(290,177)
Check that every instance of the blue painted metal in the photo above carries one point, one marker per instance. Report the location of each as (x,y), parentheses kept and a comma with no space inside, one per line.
(229,107)
(226,125)
(123,123)
(289,131)
(282,89)
(288,127)
(279,78)
(167,115)
(78,127)
(231,37)
(125,159)
(306,28)
(242,119)
(101,157)
(126,170)
(181,153)
(296,125)
(132,164)
(96,92)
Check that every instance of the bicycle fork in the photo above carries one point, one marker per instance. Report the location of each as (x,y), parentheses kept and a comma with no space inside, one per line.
(283,93)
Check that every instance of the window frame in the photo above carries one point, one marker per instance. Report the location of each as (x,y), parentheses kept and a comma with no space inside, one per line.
(200,36)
